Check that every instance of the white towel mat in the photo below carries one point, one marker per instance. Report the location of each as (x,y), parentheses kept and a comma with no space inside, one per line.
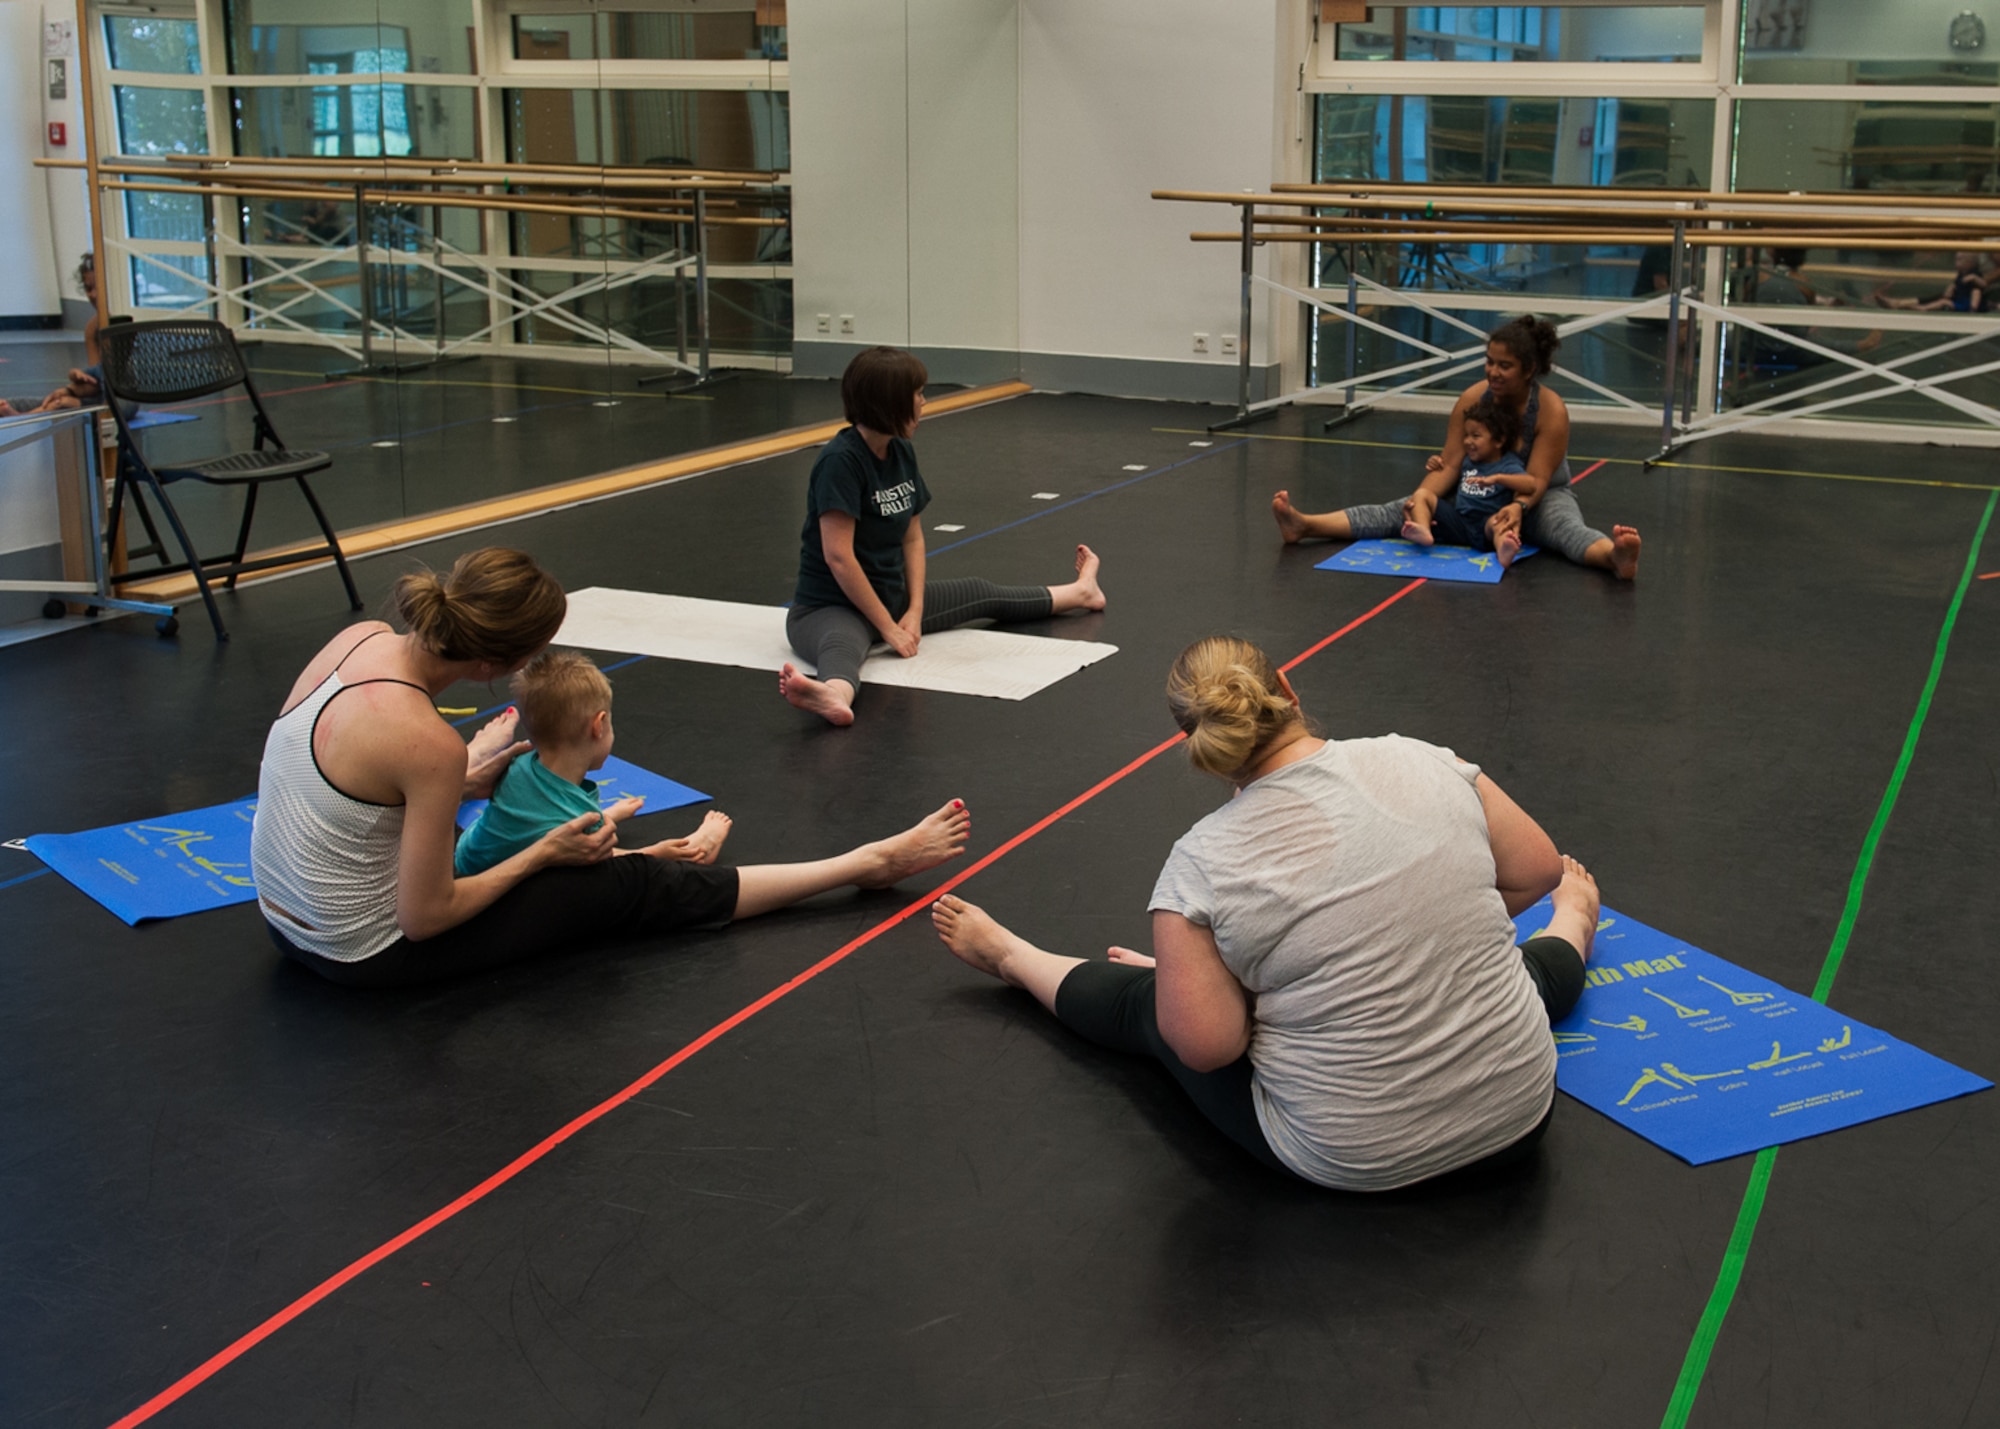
(996,663)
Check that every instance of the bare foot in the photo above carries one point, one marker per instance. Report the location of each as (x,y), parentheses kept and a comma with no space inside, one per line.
(701,846)
(814,696)
(1417,535)
(1089,594)
(1291,526)
(1576,907)
(1130,958)
(975,939)
(1624,552)
(937,839)
(1507,547)
(707,841)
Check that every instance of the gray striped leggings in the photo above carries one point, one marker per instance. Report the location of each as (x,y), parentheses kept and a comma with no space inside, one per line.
(835,638)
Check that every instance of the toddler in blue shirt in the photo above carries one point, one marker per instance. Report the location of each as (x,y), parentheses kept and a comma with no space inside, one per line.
(1492,476)
(565,705)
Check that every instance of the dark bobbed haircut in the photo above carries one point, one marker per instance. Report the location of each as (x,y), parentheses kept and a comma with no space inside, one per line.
(1499,419)
(879,389)
(494,605)
(1532,340)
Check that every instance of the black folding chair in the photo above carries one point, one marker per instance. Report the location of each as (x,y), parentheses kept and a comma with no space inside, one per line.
(177,361)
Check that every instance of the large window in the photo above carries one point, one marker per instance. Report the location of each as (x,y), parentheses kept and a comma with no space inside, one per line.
(1883,97)
(629,83)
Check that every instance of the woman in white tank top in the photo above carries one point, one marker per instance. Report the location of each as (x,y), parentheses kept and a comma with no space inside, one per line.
(361,783)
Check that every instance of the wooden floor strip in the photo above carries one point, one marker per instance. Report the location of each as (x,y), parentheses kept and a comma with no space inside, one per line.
(392,535)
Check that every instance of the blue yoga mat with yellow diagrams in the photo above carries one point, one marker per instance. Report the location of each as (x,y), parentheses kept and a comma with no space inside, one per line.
(1708,1061)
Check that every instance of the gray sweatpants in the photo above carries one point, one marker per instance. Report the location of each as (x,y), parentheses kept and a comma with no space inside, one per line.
(1554,523)
(835,638)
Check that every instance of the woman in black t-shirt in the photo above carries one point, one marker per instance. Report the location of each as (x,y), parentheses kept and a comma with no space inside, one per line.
(861,552)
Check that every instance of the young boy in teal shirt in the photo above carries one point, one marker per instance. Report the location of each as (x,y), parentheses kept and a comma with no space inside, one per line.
(565,706)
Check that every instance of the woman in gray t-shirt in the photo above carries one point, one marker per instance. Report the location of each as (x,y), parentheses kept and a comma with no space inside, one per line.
(1335,979)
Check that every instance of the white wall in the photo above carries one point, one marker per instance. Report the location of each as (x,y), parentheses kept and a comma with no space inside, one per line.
(971,179)
(67,190)
(1119,98)
(28,276)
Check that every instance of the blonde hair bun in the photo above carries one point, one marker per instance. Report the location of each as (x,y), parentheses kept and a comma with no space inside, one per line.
(1224,694)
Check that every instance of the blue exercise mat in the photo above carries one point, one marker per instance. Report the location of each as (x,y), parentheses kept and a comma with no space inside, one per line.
(159,417)
(1438,563)
(617,780)
(159,868)
(1709,1061)
(189,863)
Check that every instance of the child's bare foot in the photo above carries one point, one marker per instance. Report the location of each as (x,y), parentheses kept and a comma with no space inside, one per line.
(1129,958)
(975,939)
(1507,546)
(1291,526)
(1576,907)
(1083,593)
(936,839)
(1417,534)
(803,692)
(1624,552)
(707,841)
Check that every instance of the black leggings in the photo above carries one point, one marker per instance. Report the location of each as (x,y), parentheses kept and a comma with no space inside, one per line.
(835,638)
(1112,1005)
(556,910)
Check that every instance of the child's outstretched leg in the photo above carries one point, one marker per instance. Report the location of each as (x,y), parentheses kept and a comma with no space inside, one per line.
(701,846)
(1419,512)
(1507,545)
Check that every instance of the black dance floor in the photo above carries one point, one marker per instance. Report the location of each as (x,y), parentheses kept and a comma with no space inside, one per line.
(896,1193)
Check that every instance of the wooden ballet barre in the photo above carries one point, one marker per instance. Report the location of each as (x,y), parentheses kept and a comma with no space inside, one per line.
(406,161)
(1983,235)
(1989,228)
(1769,197)
(392,199)
(1573,237)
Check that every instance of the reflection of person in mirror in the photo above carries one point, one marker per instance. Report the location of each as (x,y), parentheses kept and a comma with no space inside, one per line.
(83,385)
(1964,293)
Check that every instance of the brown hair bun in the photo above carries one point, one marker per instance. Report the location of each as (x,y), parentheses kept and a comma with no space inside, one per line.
(494,605)
(1225,696)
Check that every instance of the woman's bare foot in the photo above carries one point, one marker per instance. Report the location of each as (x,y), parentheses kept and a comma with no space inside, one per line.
(1576,907)
(1506,547)
(938,838)
(822,698)
(1083,593)
(1624,552)
(1129,958)
(1291,525)
(975,939)
(1417,535)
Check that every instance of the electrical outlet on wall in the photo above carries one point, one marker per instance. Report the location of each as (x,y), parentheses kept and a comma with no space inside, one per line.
(823,322)
(1201,342)
(1229,344)
(847,323)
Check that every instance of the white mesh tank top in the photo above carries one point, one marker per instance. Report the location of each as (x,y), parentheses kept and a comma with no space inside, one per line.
(325,862)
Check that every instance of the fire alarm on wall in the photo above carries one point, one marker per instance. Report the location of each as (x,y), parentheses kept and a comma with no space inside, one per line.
(58,135)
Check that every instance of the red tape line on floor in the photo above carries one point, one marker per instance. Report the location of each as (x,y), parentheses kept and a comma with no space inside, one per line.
(221,1360)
